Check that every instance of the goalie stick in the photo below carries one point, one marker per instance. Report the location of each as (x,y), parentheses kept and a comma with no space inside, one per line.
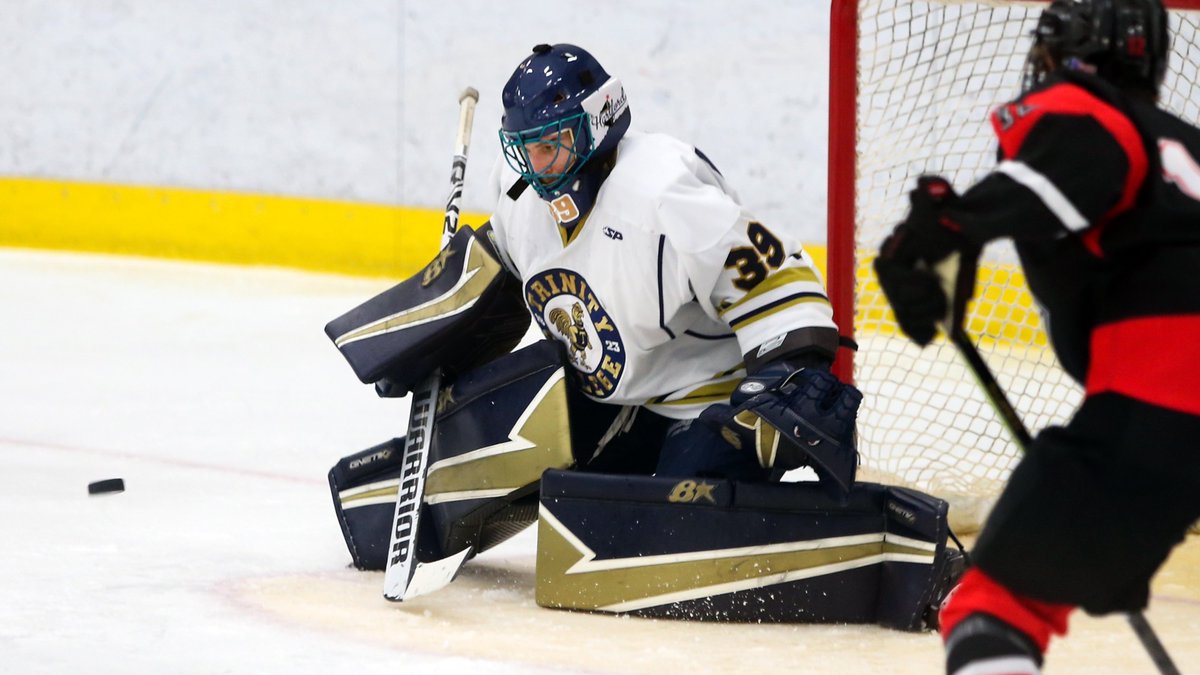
(405,577)
(458,168)
(991,388)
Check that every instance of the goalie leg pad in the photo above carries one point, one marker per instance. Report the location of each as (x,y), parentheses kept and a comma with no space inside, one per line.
(725,550)
(496,429)
(364,487)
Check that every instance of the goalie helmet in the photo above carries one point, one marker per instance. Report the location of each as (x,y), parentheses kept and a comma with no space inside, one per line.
(1123,41)
(562,94)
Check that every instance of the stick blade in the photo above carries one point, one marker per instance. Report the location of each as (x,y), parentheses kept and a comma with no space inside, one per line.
(428,577)
(410,495)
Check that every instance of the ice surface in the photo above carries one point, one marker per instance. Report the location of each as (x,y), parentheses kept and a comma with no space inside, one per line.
(214,393)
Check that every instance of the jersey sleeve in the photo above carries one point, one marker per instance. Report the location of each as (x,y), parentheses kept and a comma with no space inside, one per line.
(757,280)
(1069,162)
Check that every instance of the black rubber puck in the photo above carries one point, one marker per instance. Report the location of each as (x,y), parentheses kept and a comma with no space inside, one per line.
(101,487)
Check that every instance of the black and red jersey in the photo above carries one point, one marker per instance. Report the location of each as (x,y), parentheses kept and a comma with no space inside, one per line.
(1101,195)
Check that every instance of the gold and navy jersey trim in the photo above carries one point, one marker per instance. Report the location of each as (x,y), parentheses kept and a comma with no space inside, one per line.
(731,371)
(785,288)
(781,278)
(777,306)
(662,323)
(570,234)
(715,390)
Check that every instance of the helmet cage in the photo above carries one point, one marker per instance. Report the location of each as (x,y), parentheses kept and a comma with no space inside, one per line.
(545,183)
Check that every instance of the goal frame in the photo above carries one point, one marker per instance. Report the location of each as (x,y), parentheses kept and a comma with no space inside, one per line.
(842,162)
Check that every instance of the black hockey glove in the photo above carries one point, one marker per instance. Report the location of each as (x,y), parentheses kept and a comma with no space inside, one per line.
(927,262)
(792,418)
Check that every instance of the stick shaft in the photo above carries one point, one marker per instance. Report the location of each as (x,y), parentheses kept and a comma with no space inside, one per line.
(402,560)
(458,168)
(991,388)
(406,519)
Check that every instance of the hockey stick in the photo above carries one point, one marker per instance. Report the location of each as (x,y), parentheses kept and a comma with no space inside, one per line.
(991,388)
(405,577)
(458,169)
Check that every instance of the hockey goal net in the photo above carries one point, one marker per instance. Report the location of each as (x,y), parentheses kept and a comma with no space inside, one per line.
(911,87)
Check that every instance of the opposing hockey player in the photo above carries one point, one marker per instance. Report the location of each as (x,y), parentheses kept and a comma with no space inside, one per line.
(696,343)
(1100,191)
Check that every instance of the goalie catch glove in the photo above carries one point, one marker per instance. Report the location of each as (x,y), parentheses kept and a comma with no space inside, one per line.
(792,418)
(926,267)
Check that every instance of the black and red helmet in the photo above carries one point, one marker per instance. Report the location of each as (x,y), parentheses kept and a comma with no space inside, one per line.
(1125,42)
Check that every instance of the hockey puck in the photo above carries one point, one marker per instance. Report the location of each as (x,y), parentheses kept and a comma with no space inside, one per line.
(110,485)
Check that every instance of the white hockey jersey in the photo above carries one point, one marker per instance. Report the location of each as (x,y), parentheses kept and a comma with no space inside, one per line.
(660,290)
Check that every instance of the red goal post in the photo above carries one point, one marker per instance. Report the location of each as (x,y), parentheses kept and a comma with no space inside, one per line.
(911,84)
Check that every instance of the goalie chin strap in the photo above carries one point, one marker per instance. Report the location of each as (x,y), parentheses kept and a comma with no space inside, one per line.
(991,388)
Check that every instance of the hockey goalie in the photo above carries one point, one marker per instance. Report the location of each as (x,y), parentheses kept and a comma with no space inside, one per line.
(685,367)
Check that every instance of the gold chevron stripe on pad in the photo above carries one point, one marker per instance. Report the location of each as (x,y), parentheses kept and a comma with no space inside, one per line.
(539,440)
(781,278)
(382,492)
(478,271)
(569,576)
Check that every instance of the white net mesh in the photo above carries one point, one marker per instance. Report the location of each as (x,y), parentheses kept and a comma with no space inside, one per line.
(929,75)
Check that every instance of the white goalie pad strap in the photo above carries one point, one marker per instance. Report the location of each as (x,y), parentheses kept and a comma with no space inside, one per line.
(1050,195)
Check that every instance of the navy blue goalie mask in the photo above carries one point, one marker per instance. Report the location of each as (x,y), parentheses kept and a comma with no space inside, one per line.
(563,114)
